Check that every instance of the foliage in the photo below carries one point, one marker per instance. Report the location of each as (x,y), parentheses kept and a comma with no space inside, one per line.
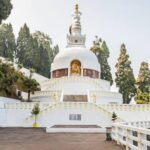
(31,50)
(46,52)
(20,66)
(43,39)
(114,116)
(5,9)
(7,41)
(35,51)
(29,85)
(102,52)
(142,97)
(11,80)
(8,80)
(35,112)
(141,102)
(55,51)
(143,84)
(143,80)
(124,76)
(25,49)
(36,109)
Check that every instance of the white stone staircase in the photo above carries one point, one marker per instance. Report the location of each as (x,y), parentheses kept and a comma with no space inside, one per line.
(70,105)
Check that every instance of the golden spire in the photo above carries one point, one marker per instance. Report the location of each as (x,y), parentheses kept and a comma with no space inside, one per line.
(76,8)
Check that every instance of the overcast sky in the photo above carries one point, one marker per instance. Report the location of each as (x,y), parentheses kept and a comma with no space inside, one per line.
(115,21)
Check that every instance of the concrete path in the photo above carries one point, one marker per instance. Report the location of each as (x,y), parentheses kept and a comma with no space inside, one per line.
(38,139)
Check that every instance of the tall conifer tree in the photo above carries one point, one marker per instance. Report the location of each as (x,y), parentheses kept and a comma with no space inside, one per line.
(105,68)
(46,52)
(124,76)
(143,80)
(102,52)
(143,84)
(7,41)
(24,47)
(35,51)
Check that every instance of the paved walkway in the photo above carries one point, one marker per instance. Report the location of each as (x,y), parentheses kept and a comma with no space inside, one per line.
(38,139)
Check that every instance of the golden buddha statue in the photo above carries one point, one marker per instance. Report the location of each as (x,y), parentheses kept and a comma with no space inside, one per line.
(76,67)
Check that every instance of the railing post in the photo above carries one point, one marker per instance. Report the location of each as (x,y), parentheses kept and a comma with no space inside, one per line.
(116,131)
(88,96)
(62,96)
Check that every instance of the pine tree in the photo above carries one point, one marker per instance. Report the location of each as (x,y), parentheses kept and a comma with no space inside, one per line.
(102,52)
(5,9)
(55,51)
(7,41)
(46,52)
(44,67)
(124,76)
(143,84)
(24,47)
(35,51)
(143,80)
(105,68)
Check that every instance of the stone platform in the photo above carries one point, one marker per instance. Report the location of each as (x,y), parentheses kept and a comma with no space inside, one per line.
(33,139)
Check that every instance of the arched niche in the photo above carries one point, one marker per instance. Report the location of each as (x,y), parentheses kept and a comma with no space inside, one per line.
(75,67)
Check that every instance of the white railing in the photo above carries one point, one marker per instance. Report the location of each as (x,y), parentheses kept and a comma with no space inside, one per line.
(25,105)
(88,96)
(98,83)
(21,105)
(132,137)
(141,124)
(62,96)
(126,107)
(105,94)
(53,95)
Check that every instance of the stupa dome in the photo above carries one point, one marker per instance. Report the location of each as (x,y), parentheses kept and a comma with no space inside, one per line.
(87,58)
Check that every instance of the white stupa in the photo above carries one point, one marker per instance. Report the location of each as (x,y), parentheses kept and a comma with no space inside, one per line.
(75,99)
(75,73)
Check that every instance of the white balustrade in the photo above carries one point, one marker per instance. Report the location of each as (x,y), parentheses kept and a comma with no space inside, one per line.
(97,82)
(53,95)
(133,135)
(105,94)
(126,107)
(25,105)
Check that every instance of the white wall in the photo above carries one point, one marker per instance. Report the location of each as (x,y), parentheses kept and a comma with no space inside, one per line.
(61,117)
(13,117)
(56,116)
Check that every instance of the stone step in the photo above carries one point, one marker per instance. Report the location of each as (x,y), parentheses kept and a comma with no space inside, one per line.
(75,129)
(75,126)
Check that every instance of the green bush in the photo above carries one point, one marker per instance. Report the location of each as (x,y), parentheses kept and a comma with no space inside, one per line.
(141,102)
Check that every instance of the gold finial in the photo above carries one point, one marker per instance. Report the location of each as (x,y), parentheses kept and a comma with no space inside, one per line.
(76,8)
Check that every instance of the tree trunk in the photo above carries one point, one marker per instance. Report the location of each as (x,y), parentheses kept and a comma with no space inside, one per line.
(35,119)
(29,96)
